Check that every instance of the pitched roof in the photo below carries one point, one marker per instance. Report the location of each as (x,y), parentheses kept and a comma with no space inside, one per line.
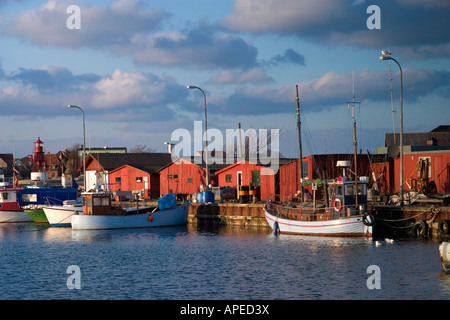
(418,139)
(149,162)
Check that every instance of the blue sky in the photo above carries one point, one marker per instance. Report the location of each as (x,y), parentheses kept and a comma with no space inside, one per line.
(129,64)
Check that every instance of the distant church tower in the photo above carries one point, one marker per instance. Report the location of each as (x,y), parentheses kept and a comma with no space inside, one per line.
(38,156)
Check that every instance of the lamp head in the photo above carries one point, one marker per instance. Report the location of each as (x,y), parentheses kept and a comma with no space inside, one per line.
(386,53)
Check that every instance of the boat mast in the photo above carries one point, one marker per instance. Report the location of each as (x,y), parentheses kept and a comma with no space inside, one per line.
(300,159)
(355,144)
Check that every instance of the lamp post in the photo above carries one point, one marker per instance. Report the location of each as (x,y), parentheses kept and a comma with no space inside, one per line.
(84,144)
(386,55)
(206,136)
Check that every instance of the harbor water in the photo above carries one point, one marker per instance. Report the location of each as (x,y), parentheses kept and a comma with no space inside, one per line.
(185,263)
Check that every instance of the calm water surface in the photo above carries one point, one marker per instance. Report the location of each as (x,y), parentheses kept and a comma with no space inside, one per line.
(223,264)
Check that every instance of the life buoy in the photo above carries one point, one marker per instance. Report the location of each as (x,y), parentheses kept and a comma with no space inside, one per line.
(337,205)
(444,226)
(368,219)
(421,229)
(150,218)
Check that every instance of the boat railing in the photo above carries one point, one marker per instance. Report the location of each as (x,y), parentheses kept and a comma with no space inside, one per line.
(52,201)
(306,211)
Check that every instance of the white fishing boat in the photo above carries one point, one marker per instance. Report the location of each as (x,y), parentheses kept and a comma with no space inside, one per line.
(10,210)
(61,215)
(444,251)
(98,213)
(346,216)
(303,219)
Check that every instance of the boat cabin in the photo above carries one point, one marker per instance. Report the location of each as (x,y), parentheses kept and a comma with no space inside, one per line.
(99,203)
(342,193)
(8,200)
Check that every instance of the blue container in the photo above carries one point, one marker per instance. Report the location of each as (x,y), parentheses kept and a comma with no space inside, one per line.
(167,202)
(207,196)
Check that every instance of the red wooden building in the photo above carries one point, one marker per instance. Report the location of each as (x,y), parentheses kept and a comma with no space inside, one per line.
(244,173)
(181,177)
(136,180)
(438,171)
(128,171)
(432,146)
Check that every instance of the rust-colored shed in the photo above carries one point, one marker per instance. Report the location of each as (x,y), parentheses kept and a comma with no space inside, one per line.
(244,173)
(438,171)
(181,177)
(130,178)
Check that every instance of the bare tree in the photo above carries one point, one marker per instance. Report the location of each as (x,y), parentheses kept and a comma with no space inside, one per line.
(69,160)
(142,149)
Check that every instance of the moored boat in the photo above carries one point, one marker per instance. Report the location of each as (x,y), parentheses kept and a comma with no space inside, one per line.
(10,210)
(61,215)
(343,218)
(33,198)
(98,213)
(444,251)
(37,214)
(346,216)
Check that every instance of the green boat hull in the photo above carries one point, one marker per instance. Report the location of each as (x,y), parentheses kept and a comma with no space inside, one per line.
(37,215)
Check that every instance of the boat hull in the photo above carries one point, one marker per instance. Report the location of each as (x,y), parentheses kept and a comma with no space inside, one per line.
(444,250)
(37,215)
(7,216)
(164,218)
(61,216)
(343,227)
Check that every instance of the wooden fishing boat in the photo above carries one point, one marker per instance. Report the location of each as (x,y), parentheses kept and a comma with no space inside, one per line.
(346,216)
(343,218)
(98,213)
(10,210)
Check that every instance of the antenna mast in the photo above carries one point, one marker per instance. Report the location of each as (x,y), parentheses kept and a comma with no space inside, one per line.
(300,160)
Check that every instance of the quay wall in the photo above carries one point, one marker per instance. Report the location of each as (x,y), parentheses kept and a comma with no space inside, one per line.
(418,221)
(231,214)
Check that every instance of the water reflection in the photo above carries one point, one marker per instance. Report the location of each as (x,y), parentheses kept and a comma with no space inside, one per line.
(225,262)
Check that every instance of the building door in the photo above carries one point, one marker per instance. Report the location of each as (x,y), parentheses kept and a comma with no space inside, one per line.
(255,178)
(239,182)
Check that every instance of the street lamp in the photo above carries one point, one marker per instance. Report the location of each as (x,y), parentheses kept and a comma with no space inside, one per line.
(206,136)
(84,144)
(386,55)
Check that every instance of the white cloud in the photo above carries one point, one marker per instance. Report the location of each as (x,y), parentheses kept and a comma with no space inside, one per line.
(252,76)
(100,26)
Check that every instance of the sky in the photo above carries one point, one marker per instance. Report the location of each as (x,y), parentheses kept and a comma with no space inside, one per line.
(127,63)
